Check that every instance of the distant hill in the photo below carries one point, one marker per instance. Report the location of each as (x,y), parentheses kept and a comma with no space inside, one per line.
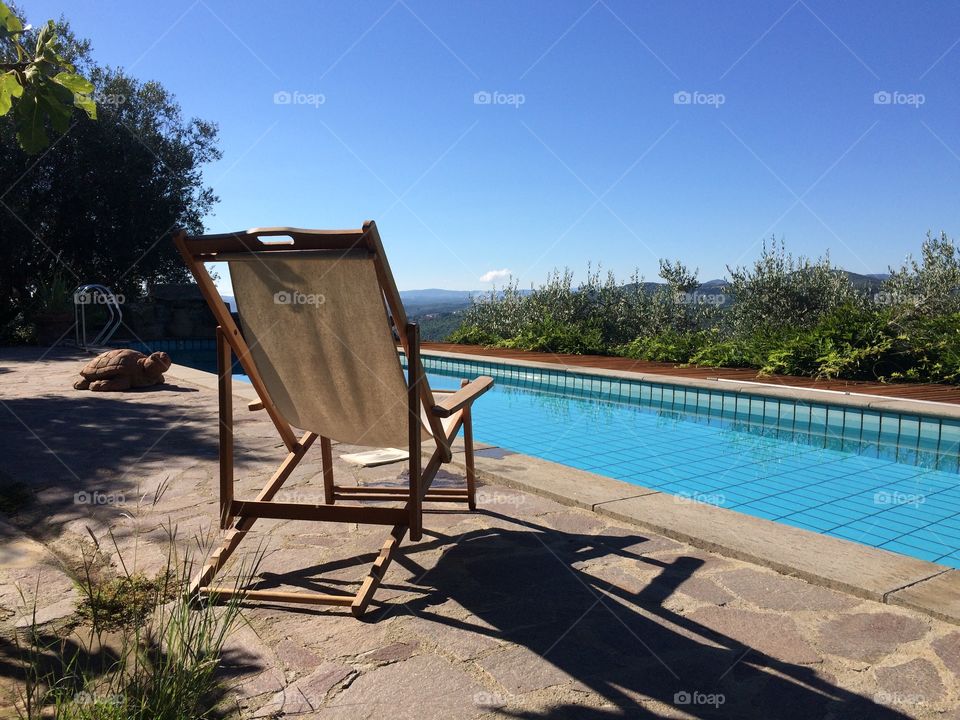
(870,282)
(433,295)
(434,301)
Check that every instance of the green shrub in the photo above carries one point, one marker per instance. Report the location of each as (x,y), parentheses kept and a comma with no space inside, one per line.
(929,287)
(851,341)
(549,335)
(930,350)
(749,351)
(473,335)
(781,315)
(668,346)
(780,292)
(817,355)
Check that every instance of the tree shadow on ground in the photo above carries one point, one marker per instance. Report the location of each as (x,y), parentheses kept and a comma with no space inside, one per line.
(71,450)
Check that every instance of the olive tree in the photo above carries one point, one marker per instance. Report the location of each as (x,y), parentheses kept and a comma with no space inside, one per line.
(929,286)
(783,292)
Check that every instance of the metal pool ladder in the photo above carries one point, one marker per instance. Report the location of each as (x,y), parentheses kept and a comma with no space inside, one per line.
(93,294)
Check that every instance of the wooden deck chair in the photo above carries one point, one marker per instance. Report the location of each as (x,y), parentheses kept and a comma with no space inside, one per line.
(317,309)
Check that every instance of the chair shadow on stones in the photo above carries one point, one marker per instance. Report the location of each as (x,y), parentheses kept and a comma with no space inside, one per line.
(535,587)
(538,588)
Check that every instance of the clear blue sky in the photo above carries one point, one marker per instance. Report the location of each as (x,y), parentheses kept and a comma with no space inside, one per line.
(598,163)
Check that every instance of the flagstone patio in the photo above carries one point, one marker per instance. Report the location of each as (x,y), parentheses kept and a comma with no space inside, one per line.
(526,608)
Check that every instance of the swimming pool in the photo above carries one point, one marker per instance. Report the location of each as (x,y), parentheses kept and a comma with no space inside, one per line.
(883,479)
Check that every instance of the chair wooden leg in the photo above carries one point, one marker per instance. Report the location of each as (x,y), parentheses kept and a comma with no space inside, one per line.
(468,454)
(201,584)
(225,400)
(415,373)
(377,571)
(468,460)
(326,454)
(220,556)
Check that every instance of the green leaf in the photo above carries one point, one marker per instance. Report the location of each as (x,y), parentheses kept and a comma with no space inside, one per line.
(81,89)
(47,32)
(29,121)
(9,88)
(86,103)
(57,103)
(8,21)
(74,83)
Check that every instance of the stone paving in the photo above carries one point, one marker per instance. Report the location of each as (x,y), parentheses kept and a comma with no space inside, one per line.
(526,608)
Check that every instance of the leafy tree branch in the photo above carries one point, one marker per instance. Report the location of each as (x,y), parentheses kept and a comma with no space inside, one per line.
(39,86)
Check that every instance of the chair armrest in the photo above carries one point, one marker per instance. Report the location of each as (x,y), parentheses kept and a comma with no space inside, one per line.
(464,396)
(255,405)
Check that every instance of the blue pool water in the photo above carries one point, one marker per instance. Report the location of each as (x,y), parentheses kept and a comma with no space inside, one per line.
(882,479)
(889,481)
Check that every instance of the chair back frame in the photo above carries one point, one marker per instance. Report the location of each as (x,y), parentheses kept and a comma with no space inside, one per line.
(197,251)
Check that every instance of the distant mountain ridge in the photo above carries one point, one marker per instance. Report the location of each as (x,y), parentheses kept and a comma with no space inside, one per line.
(431,295)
